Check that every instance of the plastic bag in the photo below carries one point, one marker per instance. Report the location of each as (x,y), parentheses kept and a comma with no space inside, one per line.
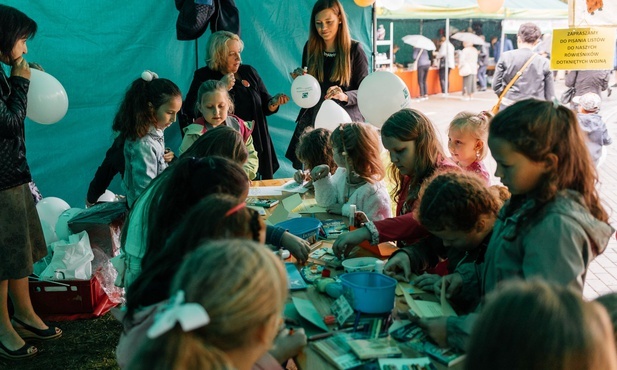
(71,260)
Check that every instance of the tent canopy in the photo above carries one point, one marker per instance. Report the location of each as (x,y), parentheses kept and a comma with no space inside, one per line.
(442,9)
(97,48)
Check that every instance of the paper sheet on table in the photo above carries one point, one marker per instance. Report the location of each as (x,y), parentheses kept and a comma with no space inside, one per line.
(307,310)
(281,212)
(292,186)
(263,191)
(309,206)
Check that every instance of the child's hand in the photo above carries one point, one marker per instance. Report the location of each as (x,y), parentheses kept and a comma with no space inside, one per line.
(168,156)
(297,72)
(288,345)
(360,218)
(301,176)
(319,172)
(453,284)
(436,328)
(336,208)
(398,267)
(298,247)
(427,282)
(229,80)
(346,242)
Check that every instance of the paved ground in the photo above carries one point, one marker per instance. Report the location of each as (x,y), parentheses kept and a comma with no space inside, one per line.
(602,276)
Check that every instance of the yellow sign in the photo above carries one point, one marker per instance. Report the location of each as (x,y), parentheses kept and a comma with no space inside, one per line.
(583,48)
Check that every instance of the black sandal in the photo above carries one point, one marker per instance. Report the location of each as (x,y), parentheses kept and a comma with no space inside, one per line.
(26,331)
(24,352)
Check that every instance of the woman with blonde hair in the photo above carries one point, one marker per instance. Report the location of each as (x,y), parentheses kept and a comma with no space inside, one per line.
(224,312)
(247,90)
(336,61)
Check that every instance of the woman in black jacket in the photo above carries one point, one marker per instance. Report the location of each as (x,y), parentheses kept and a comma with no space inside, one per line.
(21,235)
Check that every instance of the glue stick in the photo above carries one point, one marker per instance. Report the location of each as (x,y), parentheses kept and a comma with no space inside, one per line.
(352,215)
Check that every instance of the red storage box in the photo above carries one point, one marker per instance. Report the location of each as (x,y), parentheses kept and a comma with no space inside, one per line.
(78,297)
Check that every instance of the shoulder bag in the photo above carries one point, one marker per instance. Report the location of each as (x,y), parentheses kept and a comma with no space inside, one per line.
(516,76)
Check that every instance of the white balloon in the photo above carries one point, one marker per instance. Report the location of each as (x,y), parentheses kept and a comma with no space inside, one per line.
(331,115)
(305,91)
(62,226)
(107,196)
(380,95)
(50,208)
(49,233)
(47,99)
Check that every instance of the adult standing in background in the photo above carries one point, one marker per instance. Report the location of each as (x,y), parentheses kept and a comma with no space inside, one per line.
(536,81)
(587,82)
(336,61)
(423,63)
(468,68)
(445,55)
(483,59)
(21,236)
(507,46)
(248,91)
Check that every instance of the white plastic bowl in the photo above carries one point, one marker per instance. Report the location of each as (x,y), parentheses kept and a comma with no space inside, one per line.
(366,264)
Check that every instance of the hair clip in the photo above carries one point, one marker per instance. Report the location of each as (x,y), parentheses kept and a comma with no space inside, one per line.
(190,316)
(148,75)
(556,103)
(235,209)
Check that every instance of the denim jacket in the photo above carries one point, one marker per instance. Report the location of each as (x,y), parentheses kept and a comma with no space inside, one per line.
(143,162)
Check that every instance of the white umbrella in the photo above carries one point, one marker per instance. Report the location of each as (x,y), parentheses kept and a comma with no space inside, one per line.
(468,37)
(420,42)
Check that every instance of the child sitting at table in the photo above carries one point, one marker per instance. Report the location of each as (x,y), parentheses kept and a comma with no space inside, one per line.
(359,177)
(224,311)
(553,226)
(152,286)
(313,149)
(467,136)
(415,154)
(215,106)
(539,325)
(458,209)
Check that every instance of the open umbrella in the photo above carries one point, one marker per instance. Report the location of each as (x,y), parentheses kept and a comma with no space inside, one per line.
(468,37)
(420,42)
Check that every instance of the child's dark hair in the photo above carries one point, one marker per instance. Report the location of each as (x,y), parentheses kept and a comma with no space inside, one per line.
(137,111)
(178,188)
(15,26)
(474,124)
(456,200)
(537,129)
(208,87)
(314,148)
(359,144)
(221,141)
(411,125)
(208,219)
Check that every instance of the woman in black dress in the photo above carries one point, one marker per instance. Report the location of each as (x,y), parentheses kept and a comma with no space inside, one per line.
(251,98)
(336,61)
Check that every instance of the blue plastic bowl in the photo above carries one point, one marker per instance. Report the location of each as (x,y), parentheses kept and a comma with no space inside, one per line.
(302,227)
(369,292)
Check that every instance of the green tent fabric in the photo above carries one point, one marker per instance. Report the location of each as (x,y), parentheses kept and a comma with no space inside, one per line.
(97,48)
(442,9)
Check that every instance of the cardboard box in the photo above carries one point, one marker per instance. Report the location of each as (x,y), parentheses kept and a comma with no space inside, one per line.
(72,297)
